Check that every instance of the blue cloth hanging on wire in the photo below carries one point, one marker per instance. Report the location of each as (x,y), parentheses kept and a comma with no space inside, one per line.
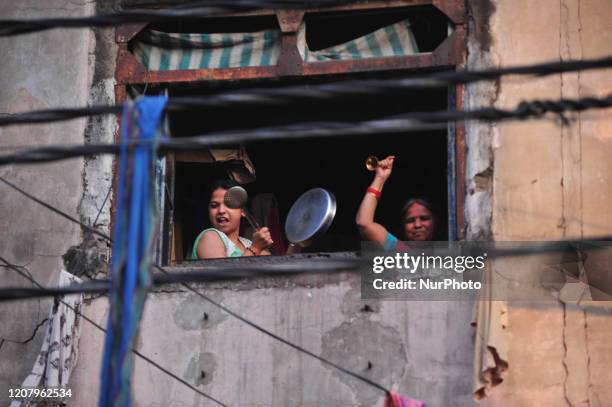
(132,242)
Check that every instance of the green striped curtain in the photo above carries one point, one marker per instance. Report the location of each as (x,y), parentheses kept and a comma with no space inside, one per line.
(389,41)
(160,51)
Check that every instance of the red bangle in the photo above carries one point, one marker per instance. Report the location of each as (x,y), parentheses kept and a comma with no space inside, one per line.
(374,192)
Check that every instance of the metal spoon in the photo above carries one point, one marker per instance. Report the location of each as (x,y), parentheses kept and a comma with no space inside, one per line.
(236,198)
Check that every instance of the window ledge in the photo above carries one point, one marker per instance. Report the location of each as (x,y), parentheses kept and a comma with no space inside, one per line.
(306,279)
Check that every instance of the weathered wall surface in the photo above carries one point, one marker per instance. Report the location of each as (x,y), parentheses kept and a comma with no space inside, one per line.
(42,70)
(552,182)
(421,348)
(530,181)
(90,257)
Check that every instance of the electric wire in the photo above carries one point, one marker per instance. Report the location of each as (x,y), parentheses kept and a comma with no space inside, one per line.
(211,274)
(92,286)
(52,208)
(182,278)
(283,340)
(95,285)
(99,327)
(224,273)
(318,92)
(55,115)
(216,273)
(409,122)
(192,11)
(225,138)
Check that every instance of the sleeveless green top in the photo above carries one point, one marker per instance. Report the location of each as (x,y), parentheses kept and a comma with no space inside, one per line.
(231,250)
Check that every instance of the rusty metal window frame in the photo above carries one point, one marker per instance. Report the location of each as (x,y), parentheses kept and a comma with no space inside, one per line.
(450,54)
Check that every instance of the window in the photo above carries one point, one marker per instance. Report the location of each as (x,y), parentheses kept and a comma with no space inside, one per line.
(428,25)
(286,169)
(428,162)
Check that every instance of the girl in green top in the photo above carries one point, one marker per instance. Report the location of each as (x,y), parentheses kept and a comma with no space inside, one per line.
(223,239)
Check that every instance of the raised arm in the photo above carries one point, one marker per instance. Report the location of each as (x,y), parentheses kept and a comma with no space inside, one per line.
(369,229)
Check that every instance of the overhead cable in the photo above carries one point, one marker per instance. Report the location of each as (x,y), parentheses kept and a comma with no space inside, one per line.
(56,115)
(283,340)
(217,273)
(209,274)
(181,278)
(408,122)
(317,92)
(148,360)
(52,208)
(192,11)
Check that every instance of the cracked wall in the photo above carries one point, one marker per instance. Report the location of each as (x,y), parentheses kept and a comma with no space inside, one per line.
(479,160)
(424,349)
(38,71)
(548,181)
(525,181)
(90,257)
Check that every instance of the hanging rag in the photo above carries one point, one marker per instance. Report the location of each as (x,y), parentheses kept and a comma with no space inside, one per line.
(60,348)
(130,275)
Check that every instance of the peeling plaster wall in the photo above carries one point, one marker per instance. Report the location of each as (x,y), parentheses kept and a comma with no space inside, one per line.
(424,349)
(479,160)
(90,257)
(94,208)
(547,182)
(42,70)
(525,181)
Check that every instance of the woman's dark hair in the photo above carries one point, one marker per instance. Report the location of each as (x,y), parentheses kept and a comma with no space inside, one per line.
(222,183)
(219,183)
(426,204)
(420,201)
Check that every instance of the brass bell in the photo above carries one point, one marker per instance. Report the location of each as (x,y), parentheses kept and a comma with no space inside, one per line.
(371,163)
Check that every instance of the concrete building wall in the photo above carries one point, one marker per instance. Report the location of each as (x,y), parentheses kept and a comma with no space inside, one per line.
(423,349)
(525,181)
(431,342)
(552,182)
(38,71)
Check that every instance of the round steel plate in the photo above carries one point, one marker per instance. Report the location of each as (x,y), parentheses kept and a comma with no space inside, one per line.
(311,215)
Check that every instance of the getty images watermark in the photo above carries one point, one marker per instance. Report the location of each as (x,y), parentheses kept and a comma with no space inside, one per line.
(443,271)
(424,264)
